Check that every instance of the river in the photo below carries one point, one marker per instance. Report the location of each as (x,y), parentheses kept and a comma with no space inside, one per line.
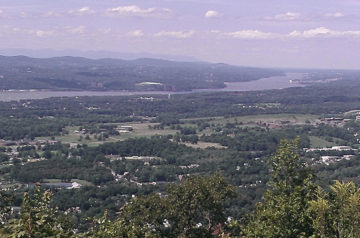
(277,82)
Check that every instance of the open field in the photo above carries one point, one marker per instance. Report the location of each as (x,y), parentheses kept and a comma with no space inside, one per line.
(272,118)
(79,181)
(145,129)
(204,145)
(139,130)
(317,142)
(265,118)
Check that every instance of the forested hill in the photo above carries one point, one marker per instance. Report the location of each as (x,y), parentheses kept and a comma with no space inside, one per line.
(75,73)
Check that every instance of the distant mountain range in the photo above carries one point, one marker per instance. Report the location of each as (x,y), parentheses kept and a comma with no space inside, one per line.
(95,54)
(144,74)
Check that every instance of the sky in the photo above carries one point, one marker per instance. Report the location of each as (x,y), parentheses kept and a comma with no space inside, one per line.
(263,33)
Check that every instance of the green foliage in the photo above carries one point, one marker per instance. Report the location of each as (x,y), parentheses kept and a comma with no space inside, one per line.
(15,129)
(199,200)
(103,227)
(38,219)
(60,168)
(283,213)
(291,207)
(337,213)
(5,200)
(195,208)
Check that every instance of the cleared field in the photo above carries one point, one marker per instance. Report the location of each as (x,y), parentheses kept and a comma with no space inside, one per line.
(272,119)
(79,181)
(204,145)
(142,130)
(145,129)
(139,130)
(268,118)
(317,142)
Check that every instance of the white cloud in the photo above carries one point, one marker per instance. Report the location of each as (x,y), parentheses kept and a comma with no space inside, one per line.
(51,14)
(81,12)
(2,13)
(295,34)
(104,30)
(289,16)
(334,15)
(175,34)
(250,34)
(212,14)
(21,30)
(133,10)
(40,33)
(323,32)
(76,30)
(320,31)
(215,31)
(135,33)
(24,14)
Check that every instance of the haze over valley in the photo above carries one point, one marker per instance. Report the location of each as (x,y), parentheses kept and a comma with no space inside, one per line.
(179,119)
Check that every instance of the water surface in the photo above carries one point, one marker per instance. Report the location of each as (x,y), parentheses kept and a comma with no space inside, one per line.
(277,82)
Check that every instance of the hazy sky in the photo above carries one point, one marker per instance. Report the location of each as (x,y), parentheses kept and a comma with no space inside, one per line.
(272,33)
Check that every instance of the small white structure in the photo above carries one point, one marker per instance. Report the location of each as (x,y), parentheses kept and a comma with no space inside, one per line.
(75,185)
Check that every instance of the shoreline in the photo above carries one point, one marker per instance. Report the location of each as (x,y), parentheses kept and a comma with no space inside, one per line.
(270,83)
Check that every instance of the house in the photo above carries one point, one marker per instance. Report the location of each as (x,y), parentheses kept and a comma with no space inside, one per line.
(334,148)
(125,129)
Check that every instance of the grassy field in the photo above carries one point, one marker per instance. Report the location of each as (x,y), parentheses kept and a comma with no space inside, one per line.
(139,130)
(82,182)
(253,120)
(317,142)
(143,129)
(203,145)
(271,118)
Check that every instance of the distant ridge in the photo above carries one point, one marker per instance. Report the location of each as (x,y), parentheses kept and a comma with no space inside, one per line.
(50,53)
(79,73)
